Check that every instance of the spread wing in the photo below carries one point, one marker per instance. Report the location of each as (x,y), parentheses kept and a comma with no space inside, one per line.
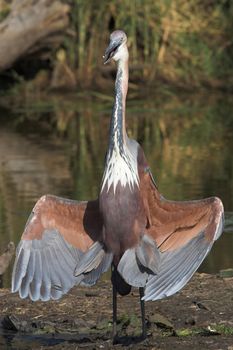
(177,238)
(184,233)
(61,237)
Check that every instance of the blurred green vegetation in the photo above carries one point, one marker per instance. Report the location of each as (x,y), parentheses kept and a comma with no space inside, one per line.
(184,43)
(188,43)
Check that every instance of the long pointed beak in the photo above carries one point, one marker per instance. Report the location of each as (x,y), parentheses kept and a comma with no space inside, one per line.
(110,51)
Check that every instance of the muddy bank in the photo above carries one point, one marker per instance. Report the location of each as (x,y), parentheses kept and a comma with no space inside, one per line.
(199,317)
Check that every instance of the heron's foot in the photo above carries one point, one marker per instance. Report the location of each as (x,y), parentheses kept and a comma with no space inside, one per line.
(115,340)
(144,330)
(144,334)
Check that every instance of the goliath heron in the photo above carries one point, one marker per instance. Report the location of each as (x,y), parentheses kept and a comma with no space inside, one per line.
(150,242)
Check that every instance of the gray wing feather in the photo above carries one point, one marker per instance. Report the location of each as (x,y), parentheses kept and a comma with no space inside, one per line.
(56,288)
(24,290)
(35,284)
(44,269)
(176,268)
(46,279)
(20,269)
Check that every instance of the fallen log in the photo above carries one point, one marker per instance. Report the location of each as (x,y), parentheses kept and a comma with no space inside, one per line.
(29,27)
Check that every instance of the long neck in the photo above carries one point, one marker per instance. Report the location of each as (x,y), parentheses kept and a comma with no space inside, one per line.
(121,163)
(117,128)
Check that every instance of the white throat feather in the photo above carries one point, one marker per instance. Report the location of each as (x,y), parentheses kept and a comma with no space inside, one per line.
(121,168)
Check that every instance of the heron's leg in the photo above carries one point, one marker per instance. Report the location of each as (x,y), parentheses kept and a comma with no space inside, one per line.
(142,304)
(114,308)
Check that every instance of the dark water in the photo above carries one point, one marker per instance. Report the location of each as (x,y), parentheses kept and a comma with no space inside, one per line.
(58,146)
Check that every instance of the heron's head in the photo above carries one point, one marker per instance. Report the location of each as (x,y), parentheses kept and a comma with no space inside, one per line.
(117,48)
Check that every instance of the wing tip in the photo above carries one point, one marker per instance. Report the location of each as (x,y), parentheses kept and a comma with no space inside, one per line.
(218,205)
(219,217)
